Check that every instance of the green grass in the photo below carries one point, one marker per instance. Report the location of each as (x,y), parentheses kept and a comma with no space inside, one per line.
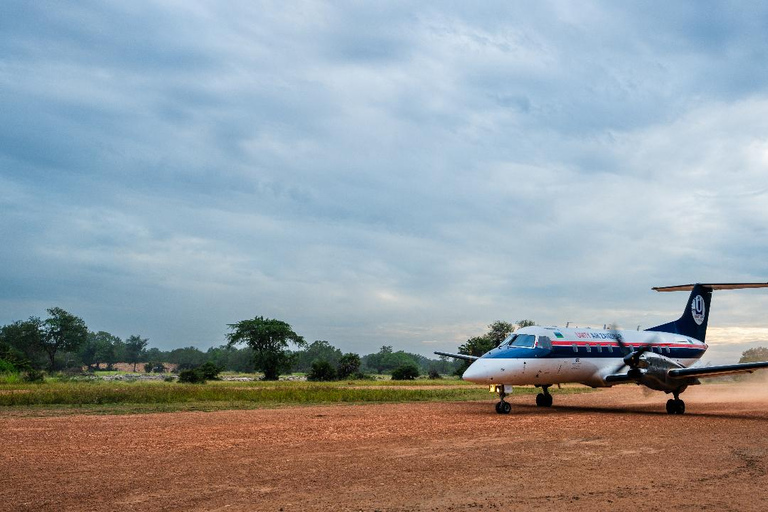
(104,397)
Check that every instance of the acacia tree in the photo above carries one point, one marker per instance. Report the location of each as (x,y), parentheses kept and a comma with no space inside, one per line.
(269,340)
(62,331)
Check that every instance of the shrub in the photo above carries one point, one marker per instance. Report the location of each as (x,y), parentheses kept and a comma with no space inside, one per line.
(7,367)
(322,371)
(33,375)
(199,375)
(191,377)
(405,372)
(209,371)
(434,374)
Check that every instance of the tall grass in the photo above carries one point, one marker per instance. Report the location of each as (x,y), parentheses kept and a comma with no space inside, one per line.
(97,393)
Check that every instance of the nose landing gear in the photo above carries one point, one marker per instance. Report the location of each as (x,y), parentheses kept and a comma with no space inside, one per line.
(502,407)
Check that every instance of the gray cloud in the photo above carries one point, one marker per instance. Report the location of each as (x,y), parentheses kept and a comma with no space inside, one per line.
(378,174)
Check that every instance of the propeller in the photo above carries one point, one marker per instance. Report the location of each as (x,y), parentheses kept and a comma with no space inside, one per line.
(631,356)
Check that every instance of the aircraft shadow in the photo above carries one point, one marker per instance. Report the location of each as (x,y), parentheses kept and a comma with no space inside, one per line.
(634,410)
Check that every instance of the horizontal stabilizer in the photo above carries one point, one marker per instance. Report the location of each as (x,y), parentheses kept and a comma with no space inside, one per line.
(465,357)
(711,371)
(714,286)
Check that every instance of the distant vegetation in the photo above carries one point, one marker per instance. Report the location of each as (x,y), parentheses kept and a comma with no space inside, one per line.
(62,343)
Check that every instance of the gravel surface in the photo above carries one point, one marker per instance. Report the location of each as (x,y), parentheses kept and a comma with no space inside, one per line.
(607,450)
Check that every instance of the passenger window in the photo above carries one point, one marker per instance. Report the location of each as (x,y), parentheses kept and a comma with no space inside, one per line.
(610,349)
(575,348)
(589,347)
(599,349)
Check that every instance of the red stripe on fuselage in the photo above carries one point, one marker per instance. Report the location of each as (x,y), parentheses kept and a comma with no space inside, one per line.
(582,343)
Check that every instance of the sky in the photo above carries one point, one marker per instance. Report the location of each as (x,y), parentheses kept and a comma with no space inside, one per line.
(382,173)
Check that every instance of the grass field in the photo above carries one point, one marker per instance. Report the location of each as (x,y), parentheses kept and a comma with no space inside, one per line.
(102,397)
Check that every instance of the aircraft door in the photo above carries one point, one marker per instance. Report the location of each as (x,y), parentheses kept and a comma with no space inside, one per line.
(543,346)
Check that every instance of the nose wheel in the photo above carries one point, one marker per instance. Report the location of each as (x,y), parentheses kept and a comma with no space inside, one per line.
(502,407)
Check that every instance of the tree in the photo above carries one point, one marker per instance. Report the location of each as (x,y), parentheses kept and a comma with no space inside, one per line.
(88,351)
(109,348)
(322,370)
(349,364)
(405,372)
(269,340)
(319,350)
(134,349)
(498,332)
(22,338)
(62,331)
(754,355)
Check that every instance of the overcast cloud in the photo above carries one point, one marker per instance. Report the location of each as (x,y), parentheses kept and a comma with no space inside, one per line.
(380,173)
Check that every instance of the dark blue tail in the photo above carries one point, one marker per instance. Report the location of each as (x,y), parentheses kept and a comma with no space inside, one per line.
(693,323)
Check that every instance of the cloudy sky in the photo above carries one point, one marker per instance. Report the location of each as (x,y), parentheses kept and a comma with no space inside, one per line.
(399,173)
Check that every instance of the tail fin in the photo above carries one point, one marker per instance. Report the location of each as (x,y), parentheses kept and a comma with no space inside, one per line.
(693,322)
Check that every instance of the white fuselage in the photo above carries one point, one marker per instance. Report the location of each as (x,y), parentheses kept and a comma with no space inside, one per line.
(583,356)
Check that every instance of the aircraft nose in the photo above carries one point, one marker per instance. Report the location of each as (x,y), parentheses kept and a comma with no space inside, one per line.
(475,372)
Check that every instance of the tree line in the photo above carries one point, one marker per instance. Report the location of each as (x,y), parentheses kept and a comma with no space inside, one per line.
(62,341)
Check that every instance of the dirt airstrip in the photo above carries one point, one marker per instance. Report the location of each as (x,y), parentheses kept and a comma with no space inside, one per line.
(607,450)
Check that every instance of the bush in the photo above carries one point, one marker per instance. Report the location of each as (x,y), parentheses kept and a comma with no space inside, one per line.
(434,374)
(209,371)
(191,377)
(322,371)
(405,372)
(199,375)
(7,367)
(33,375)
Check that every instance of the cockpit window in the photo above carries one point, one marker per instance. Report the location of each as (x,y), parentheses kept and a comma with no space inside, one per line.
(524,340)
(509,340)
(545,342)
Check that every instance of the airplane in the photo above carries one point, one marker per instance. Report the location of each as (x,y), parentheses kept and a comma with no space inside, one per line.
(662,358)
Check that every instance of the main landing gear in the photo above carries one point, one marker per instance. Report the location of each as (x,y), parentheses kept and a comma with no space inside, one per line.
(675,406)
(544,399)
(502,407)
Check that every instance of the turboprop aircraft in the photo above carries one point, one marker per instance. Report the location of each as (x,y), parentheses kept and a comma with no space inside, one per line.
(661,358)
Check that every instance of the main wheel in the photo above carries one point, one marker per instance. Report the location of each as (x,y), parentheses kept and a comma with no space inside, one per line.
(548,400)
(541,400)
(499,406)
(506,407)
(680,406)
(671,407)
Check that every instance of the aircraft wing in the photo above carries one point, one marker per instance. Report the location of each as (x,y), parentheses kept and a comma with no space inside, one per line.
(724,369)
(458,356)
(617,378)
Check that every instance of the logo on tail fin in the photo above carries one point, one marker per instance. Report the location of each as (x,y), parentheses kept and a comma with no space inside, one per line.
(698,309)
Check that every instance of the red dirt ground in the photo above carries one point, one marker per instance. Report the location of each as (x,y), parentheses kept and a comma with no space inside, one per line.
(608,450)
